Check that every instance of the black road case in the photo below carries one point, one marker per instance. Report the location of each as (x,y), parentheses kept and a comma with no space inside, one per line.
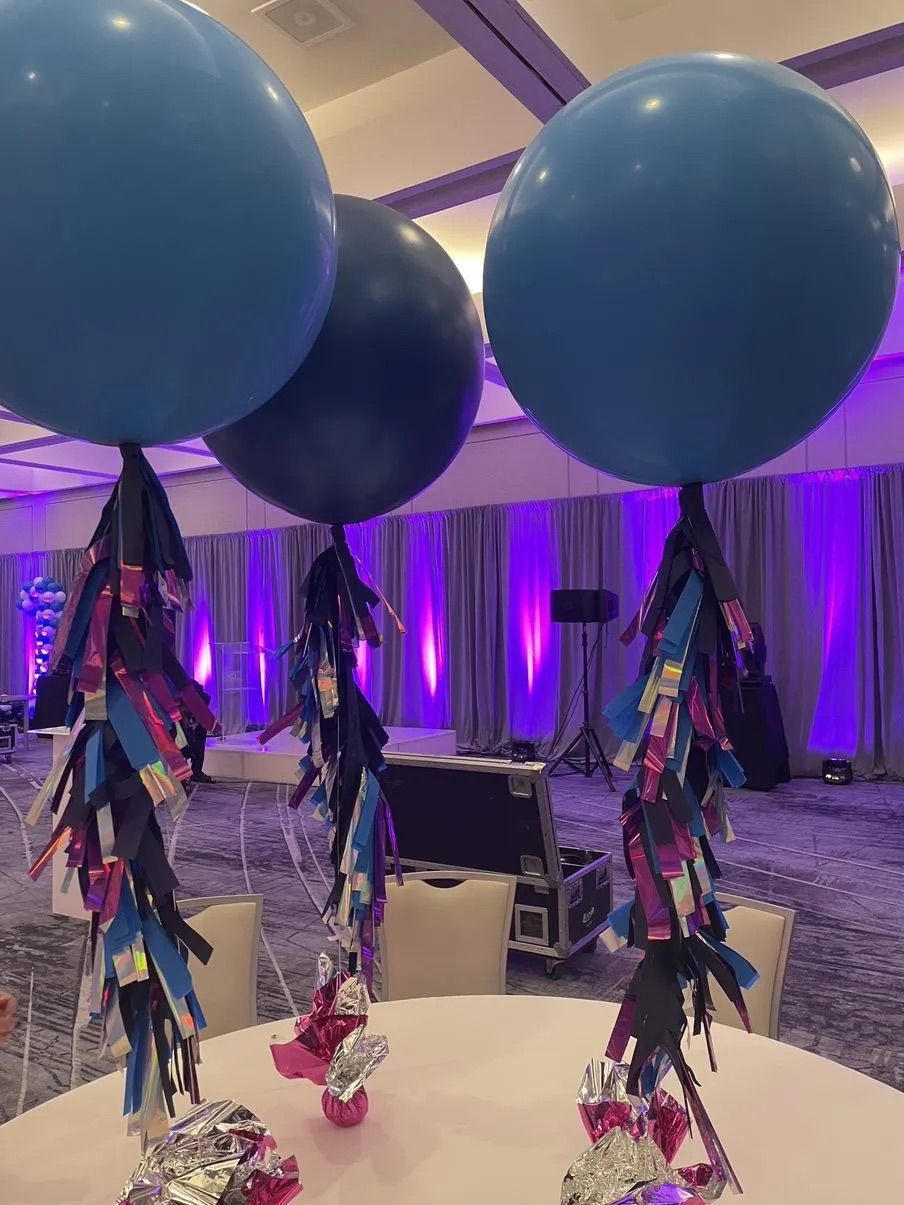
(484,814)
(8,734)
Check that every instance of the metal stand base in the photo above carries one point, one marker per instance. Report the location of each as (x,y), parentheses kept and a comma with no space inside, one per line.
(585,756)
(585,753)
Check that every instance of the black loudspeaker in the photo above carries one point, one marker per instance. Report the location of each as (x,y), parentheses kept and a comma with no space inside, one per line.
(51,701)
(583,606)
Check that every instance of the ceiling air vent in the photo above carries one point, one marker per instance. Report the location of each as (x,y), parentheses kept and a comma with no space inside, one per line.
(307,21)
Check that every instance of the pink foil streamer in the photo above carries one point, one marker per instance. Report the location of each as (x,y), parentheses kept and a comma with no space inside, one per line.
(75,853)
(156,685)
(699,716)
(94,665)
(197,708)
(280,725)
(131,580)
(57,841)
(95,553)
(112,893)
(667,1123)
(621,1030)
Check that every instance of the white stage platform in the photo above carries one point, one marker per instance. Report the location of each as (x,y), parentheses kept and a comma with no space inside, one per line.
(242,757)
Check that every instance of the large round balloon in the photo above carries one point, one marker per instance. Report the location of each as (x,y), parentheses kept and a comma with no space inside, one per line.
(389,391)
(689,267)
(166,222)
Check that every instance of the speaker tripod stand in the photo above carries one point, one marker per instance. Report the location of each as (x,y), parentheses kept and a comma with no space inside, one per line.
(585,754)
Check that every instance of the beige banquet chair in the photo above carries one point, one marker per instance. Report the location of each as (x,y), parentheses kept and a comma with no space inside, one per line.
(446,940)
(762,934)
(227,986)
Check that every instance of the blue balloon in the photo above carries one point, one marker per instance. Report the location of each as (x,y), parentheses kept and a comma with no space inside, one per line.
(690,267)
(166,223)
(385,400)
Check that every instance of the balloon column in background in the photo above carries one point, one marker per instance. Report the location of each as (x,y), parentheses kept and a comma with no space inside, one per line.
(378,410)
(43,599)
(687,271)
(170,245)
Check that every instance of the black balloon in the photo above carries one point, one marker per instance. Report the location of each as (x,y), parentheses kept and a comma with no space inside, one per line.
(387,394)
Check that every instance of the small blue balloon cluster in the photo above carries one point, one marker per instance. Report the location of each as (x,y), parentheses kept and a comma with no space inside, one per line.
(44,598)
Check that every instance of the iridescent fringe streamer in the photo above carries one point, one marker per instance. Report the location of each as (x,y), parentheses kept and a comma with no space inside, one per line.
(128,693)
(670,721)
(340,770)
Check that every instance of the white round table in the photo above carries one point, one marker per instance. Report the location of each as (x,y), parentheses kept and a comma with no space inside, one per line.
(476,1103)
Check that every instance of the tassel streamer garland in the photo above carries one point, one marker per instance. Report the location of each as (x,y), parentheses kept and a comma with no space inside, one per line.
(340,770)
(671,720)
(124,760)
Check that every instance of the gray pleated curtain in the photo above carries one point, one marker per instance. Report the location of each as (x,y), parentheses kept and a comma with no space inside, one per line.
(815,558)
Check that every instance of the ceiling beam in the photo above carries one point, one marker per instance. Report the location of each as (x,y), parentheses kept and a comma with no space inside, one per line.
(516,51)
(57,468)
(7,416)
(858,58)
(205,453)
(457,188)
(26,445)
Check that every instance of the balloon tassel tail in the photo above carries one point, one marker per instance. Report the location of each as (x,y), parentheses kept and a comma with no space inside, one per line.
(128,695)
(343,761)
(671,726)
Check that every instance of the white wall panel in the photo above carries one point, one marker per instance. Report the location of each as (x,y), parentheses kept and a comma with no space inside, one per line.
(17,528)
(215,504)
(70,522)
(501,462)
(875,422)
(509,468)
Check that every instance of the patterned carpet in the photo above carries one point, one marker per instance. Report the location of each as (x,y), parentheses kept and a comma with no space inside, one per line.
(836,855)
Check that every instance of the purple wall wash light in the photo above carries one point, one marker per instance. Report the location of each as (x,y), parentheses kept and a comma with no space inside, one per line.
(262,625)
(647,517)
(426,699)
(533,646)
(802,553)
(364,544)
(202,658)
(833,532)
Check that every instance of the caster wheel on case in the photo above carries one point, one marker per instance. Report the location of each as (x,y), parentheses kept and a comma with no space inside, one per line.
(553,968)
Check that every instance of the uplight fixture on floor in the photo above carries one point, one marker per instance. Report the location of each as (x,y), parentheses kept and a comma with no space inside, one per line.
(837,771)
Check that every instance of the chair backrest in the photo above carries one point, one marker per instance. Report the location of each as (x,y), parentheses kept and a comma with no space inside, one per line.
(447,940)
(227,987)
(762,934)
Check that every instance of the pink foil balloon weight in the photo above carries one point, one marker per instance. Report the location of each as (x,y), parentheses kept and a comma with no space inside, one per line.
(332,1046)
(345,1113)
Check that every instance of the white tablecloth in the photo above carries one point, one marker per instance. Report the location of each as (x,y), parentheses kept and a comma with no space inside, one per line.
(476,1104)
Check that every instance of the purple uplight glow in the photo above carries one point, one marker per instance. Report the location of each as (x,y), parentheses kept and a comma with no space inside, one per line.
(261,661)
(806,549)
(363,671)
(647,518)
(29,639)
(424,645)
(833,535)
(202,660)
(262,603)
(533,653)
(431,645)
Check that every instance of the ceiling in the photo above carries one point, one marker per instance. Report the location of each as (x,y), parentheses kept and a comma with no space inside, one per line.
(323,50)
(606,35)
(394,101)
